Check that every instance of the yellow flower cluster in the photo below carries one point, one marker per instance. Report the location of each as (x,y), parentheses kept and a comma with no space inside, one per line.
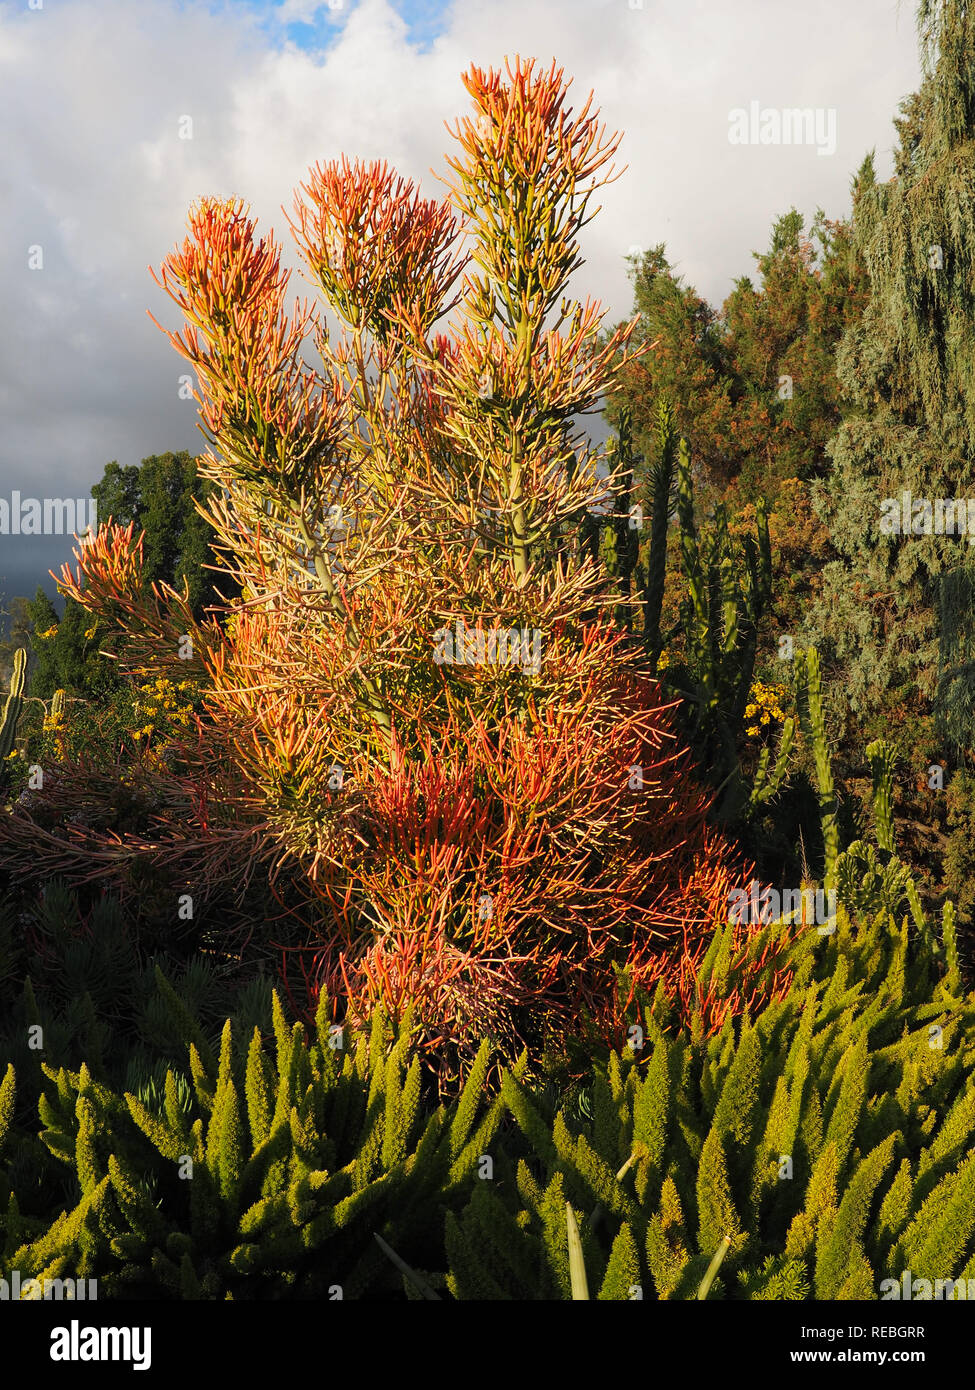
(55,724)
(162,701)
(50,632)
(764,706)
(663,660)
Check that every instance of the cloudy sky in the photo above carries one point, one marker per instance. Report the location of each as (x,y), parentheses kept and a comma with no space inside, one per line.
(95,169)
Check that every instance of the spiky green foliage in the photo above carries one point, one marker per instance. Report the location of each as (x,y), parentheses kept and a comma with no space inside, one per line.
(268,1179)
(7,1087)
(818,1149)
(77,974)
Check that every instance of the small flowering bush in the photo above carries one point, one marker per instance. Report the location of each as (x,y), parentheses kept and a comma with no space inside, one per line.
(764,707)
(165,705)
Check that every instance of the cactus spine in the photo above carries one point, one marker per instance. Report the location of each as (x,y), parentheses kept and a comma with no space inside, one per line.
(14,704)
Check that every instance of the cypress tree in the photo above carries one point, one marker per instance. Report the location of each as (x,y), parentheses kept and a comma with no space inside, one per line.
(898,604)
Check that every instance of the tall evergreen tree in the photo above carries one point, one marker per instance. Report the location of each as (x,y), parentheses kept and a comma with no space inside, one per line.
(753,386)
(897,611)
(18,631)
(65,652)
(689,367)
(781,337)
(159,496)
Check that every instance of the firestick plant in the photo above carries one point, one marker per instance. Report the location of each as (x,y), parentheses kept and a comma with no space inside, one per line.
(487,839)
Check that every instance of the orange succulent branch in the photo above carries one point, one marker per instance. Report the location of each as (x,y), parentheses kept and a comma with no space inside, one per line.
(511,390)
(364,235)
(521,187)
(155,622)
(276,431)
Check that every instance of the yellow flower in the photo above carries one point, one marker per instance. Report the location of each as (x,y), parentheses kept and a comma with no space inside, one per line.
(89,633)
(51,632)
(765,701)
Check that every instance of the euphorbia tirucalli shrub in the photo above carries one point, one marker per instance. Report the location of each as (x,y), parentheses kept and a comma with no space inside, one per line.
(487,839)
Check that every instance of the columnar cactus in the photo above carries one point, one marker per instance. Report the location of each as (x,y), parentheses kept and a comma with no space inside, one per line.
(766,784)
(727,592)
(881,768)
(813,723)
(660,483)
(14,704)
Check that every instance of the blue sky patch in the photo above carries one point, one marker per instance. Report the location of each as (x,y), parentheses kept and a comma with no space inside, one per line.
(313,25)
